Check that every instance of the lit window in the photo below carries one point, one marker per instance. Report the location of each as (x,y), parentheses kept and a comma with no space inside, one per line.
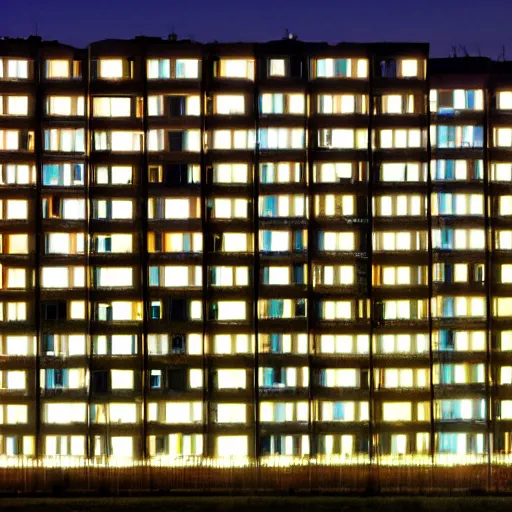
(409,68)
(277,67)
(112,107)
(229,104)
(505,100)
(13,69)
(231,413)
(111,68)
(14,105)
(57,68)
(236,68)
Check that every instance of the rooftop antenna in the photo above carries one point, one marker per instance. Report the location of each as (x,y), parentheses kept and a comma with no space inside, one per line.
(454,51)
(464,50)
(289,35)
(37,28)
(172,36)
(501,56)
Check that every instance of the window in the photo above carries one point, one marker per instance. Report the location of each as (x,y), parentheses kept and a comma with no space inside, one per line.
(13,105)
(64,243)
(229,310)
(229,276)
(327,172)
(113,69)
(281,138)
(17,174)
(397,411)
(277,67)
(277,412)
(166,69)
(14,244)
(65,106)
(232,344)
(343,344)
(282,241)
(231,173)
(341,68)
(229,208)
(64,413)
(336,241)
(409,68)
(111,107)
(333,275)
(62,277)
(112,277)
(116,209)
(457,204)
(65,140)
(63,175)
(398,138)
(402,205)
(342,104)
(175,276)
(236,68)
(56,69)
(187,68)
(233,139)
(449,101)
(459,306)
(504,100)
(458,239)
(450,170)
(342,138)
(278,103)
(283,206)
(443,136)
(343,411)
(398,104)
(16,140)
(282,172)
(229,104)
(114,175)
(13,69)
(331,205)
(336,310)
(118,141)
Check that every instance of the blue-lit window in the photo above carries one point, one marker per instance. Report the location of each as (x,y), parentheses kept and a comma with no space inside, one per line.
(62,175)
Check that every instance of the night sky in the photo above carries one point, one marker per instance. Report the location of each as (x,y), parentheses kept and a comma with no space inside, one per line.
(482,26)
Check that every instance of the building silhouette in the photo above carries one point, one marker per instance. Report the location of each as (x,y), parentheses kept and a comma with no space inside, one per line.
(254,250)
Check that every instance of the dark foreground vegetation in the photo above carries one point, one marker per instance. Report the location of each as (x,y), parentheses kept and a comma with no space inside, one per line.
(256,504)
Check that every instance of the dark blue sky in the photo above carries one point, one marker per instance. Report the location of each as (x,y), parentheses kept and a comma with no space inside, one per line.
(480,25)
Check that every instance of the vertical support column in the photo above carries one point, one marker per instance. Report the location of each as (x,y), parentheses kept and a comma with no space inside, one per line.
(205,67)
(311,248)
(256,257)
(430,279)
(38,149)
(86,68)
(488,276)
(369,254)
(144,259)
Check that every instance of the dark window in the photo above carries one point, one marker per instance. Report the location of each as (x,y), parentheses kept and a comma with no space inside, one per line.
(99,381)
(54,310)
(177,106)
(175,141)
(300,307)
(178,309)
(178,344)
(177,379)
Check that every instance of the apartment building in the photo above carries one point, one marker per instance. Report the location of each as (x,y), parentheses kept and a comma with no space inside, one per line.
(237,251)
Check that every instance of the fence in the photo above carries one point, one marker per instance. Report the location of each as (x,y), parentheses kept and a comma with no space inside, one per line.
(212,478)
